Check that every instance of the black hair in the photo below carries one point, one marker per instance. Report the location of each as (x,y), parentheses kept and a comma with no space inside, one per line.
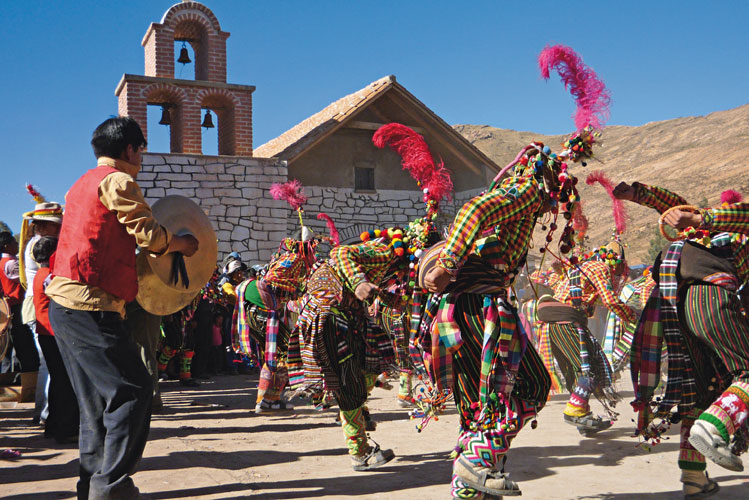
(43,249)
(6,237)
(112,137)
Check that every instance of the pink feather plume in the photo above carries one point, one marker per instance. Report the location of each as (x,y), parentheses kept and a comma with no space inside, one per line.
(292,192)
(579,221)
(331,228)
(590,93)
(620,212)
(730,197)
(416,159)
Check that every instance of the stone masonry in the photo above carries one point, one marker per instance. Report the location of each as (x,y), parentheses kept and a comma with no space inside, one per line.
(235,194)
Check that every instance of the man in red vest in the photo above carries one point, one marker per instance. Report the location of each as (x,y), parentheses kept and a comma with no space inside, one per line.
(106,218)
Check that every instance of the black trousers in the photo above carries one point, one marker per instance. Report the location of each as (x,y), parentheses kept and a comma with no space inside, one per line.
(23,342)
(64,419)
(114,390)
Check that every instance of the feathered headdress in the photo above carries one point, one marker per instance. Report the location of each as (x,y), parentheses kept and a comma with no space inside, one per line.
(619,210)
(292,192)
(590,93)
(416,158)
(334,236)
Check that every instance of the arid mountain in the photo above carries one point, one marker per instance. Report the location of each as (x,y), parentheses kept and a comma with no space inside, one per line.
(697,157)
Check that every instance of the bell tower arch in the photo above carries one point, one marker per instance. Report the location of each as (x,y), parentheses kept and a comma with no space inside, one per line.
(195,24)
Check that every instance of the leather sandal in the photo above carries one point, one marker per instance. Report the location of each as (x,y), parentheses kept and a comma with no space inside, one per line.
(707,490)
(376,457)
(484,479)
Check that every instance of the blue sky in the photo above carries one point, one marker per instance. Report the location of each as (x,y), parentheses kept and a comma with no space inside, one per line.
(470,61)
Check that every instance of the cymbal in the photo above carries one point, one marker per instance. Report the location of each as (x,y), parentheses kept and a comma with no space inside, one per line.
(156,292)
(182,216)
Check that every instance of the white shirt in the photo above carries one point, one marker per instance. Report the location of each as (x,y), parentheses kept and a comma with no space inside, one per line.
(30,266)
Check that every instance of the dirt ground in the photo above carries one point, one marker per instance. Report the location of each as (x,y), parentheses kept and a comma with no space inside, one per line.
(208,444)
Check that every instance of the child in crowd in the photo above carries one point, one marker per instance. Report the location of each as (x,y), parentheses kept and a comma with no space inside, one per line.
(63,419)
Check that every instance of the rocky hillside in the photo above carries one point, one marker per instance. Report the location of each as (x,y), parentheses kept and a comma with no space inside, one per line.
(697,157)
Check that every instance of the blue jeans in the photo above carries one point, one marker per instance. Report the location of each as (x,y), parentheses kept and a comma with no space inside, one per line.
(113,389)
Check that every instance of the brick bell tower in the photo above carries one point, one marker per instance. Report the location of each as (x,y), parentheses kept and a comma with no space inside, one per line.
(194,23)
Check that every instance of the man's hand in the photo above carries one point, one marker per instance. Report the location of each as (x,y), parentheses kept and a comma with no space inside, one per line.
(187,245)
(437,280)
(365,291)
(681,219)
(624,191)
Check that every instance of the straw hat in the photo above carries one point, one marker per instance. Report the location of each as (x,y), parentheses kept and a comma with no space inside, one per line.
(47,211)
(157,293)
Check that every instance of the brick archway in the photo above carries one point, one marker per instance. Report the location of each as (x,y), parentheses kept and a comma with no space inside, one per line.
(175,98)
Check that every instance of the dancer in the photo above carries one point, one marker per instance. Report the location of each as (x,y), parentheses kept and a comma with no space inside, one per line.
(178,339)
(260,316)
(696,309)
(500,382)
(564,320)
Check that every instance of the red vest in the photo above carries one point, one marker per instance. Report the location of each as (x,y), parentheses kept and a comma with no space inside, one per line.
(41,303)
(11,289)
(94,248)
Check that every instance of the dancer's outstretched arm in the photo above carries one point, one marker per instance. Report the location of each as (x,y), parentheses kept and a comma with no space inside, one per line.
(657,198)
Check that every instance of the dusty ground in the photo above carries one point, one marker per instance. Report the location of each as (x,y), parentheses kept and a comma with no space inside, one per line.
(209,445)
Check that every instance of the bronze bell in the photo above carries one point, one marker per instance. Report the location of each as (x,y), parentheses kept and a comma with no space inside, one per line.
(184,57)
(166,119)
(207,120)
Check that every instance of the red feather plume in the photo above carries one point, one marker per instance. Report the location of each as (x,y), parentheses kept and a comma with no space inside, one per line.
(35,194)
(331,228)
(590,93)
(416,159)
(579,221)
(292,192)
(620,212)
(730,197)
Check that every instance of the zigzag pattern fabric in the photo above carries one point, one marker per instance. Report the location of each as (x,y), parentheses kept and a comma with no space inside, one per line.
(354,428)
(488,448)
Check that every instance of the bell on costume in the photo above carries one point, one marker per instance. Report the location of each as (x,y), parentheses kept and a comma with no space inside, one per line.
(207,120)
(184,57)
(166,118)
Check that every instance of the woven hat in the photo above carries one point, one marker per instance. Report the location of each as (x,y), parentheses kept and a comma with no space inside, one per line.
(47,211)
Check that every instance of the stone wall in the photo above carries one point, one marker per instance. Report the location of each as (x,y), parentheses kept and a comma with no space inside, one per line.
(233,192)
(355,212)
